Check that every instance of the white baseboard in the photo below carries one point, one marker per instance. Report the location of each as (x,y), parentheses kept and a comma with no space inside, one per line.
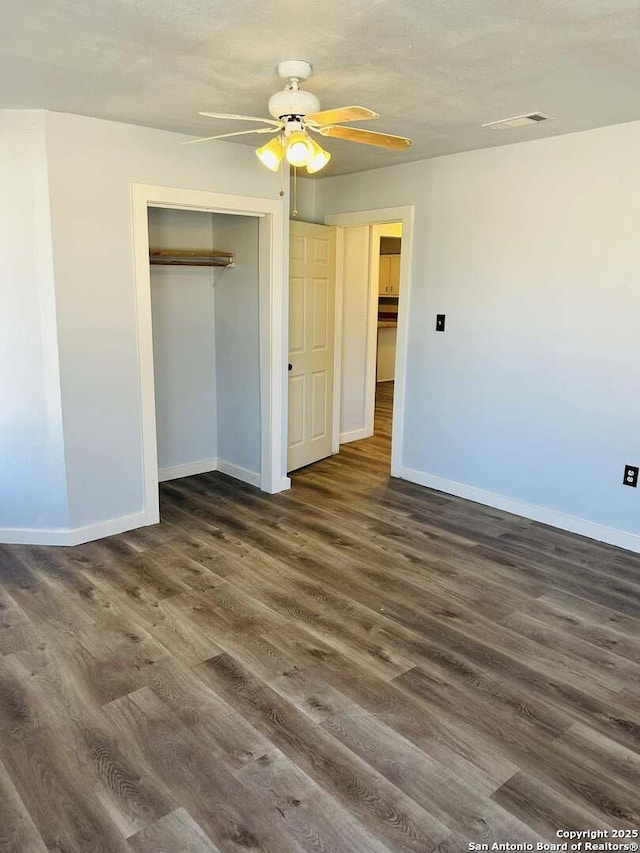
(251,477)
(205,466)
(561,520)
(187,470)
(34,536)
(76,535)
(355,435)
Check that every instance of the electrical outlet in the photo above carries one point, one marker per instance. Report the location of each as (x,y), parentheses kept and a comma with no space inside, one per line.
(439,322)
(630,476)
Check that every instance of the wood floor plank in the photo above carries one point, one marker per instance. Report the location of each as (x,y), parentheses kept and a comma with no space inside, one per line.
(573,623)
(378,804)
(321,701)
(69,714)
(65,813)
(18,833)
(543,808)
(456,804)
(225,809)
(175,833)
(404,712)
(530,750)
(315,818)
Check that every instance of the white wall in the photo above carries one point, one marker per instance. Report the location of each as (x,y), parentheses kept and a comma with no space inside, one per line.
(237,338)
(304,200)
(33,491)
(184,343)
(92,164)
(532,251)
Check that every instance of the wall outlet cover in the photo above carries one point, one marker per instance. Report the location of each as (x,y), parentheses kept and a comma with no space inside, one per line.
(631,476)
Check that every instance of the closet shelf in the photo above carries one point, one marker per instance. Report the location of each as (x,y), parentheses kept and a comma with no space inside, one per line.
(190,258)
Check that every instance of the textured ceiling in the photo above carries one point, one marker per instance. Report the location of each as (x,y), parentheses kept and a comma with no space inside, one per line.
(434,69)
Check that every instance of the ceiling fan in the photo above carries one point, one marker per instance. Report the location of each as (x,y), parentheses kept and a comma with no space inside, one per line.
(296,115)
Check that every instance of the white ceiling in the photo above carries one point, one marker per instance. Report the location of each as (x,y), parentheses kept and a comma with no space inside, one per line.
(434,69)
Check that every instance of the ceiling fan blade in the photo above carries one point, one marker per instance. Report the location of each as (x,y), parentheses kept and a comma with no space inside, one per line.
(368,137)
(234,117)
(340,114)
(237,133)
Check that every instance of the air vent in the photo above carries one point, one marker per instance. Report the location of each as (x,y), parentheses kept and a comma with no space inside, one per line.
(518,121)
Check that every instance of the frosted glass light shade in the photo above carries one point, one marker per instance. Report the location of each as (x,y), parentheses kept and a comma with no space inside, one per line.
(319,158)
(271,154)
(299,149)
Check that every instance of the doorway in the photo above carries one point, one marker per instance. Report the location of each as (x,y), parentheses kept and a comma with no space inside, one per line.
(271,313)
(357,316)
(386,249)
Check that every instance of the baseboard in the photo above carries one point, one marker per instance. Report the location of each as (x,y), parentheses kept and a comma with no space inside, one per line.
(355,435)
(205,466)
(34,536)
(187,470)
(69,536)
(561,520)
(251,477)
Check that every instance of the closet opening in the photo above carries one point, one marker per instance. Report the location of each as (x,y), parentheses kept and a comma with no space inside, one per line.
(206,342)
(212,364)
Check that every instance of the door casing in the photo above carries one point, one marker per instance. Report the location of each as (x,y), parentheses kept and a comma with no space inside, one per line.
(404,214)
(273,296)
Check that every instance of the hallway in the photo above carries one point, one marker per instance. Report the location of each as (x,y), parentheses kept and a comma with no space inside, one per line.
(384,410)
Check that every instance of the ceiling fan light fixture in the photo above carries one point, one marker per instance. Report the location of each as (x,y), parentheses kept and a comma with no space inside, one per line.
(271,154)
(299,150)
(319,158)
(296,114)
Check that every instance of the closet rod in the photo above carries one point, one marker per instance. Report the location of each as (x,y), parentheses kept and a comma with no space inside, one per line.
(191,258)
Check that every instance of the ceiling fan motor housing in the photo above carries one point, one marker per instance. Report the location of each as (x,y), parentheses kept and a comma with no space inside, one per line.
(300,69)
(293,102)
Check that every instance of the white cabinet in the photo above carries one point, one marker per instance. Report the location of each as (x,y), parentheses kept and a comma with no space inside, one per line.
(389,277)
(383,280)
(394,275)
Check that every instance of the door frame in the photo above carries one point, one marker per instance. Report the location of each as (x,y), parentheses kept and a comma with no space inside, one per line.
(272,301)
(404,214)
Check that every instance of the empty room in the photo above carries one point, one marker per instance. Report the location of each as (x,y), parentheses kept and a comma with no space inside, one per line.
(319,426)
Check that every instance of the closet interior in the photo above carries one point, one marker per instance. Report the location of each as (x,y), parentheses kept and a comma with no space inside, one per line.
(205,315)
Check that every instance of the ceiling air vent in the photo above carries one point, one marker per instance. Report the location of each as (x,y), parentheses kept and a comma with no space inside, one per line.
(518,121)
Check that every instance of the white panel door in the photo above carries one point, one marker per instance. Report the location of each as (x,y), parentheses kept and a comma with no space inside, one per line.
(312,283)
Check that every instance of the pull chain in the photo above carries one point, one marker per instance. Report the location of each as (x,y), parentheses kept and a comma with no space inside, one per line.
(295,191)
(282,162)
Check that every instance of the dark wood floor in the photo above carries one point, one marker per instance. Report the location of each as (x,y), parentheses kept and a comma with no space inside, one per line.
(359,664)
